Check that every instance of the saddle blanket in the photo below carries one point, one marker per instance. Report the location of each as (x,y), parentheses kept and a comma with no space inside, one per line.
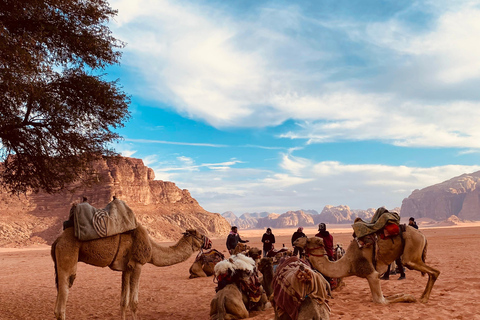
(294,280)
(380,219)
(91,223)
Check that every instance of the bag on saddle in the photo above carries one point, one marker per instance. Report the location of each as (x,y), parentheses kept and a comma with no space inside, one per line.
(91,223)
(390,230)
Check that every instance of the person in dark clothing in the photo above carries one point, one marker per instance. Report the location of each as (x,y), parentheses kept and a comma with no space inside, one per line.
(268,240)
(401,269)
(233,239)
(412,223)
(328,244)
(327,240)
(298,234)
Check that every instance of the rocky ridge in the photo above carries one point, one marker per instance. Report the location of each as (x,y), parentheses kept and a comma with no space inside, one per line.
(458,197)
(163,208)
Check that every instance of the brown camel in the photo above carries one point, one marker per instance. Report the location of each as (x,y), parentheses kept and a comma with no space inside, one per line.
(126,252)
(228,304)
(204,264)
(361,262)
(265,266)
(299,292)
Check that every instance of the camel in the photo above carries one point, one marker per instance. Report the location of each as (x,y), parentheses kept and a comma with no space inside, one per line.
(265,266)
(299,292)
(338,251)
(126,252)
(238,291)
(240,248)
(204,264)
(360,262)
(228,304)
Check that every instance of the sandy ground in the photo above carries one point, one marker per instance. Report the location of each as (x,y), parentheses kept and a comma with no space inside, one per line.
(27,289)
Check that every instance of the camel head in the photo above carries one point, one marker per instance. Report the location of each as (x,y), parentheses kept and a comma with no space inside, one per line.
(254,253)
(310,245)
(198,240)
(265,263)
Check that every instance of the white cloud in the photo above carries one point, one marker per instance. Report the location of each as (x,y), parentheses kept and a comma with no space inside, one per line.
(359,186)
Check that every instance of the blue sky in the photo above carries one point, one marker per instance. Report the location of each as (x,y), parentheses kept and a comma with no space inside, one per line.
(285,105)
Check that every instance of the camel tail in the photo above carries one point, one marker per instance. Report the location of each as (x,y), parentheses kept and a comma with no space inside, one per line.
(424,254)
(52,253)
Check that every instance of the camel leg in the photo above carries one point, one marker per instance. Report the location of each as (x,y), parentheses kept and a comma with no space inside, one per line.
(126,275)
(375,288)
(134,287)
(432,277)
(66,269)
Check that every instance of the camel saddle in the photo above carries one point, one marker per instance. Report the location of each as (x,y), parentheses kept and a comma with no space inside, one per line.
(212,255)
(381,218)
(273,252)
(91,223)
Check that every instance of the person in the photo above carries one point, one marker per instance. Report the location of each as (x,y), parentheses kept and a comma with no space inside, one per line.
(328,244)
(412,223)
(298,234)
(401,269)
(398,261)
(233,239)
(327,240)
(268,240)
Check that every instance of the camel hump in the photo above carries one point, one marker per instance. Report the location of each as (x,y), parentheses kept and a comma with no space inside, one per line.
(141,245)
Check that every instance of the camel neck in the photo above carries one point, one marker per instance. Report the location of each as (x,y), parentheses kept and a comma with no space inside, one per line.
(167,256)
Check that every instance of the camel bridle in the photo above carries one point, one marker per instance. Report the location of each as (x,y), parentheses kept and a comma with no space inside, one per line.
(308,252)
(206,242)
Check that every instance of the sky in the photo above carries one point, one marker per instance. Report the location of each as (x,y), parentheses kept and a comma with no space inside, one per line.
(285,105)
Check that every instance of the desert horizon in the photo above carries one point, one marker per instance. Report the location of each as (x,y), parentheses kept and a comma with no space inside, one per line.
(28,287)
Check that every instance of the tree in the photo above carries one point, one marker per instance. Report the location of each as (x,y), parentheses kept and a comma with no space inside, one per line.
(57,113)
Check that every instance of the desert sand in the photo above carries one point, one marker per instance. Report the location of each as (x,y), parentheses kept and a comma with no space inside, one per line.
(27,287)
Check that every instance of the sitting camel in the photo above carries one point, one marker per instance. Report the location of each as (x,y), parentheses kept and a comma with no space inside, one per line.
(126,252)
(361,262)
(265,266)
(299,292)
(338,251)
(204,264)
(240,248)
(238,290)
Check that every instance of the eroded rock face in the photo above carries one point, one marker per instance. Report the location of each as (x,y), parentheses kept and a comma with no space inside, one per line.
(163,208)
(285,220)
(458,196)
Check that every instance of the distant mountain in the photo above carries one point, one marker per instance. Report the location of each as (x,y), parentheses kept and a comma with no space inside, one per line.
(459,196)
(287,219)
(300,218)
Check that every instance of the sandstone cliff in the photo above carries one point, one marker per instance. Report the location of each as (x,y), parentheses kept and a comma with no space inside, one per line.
(161,206)
(285,220)
(458,196)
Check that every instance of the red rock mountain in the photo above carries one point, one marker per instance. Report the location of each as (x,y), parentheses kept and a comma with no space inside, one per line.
(163,208)
(458,196)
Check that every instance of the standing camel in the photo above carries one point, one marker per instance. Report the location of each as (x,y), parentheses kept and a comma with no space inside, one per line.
(126,252)
(361,262)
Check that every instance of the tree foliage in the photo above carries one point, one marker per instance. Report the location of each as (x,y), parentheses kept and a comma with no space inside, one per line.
(57,113)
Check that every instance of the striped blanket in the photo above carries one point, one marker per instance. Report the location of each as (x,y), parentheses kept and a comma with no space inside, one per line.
(293,281)
(91,223)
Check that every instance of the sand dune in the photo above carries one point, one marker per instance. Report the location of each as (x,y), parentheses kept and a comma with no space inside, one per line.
(27,288)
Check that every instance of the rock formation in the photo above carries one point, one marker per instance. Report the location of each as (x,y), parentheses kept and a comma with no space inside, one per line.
(161,206)
(285,220)
(458,196)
